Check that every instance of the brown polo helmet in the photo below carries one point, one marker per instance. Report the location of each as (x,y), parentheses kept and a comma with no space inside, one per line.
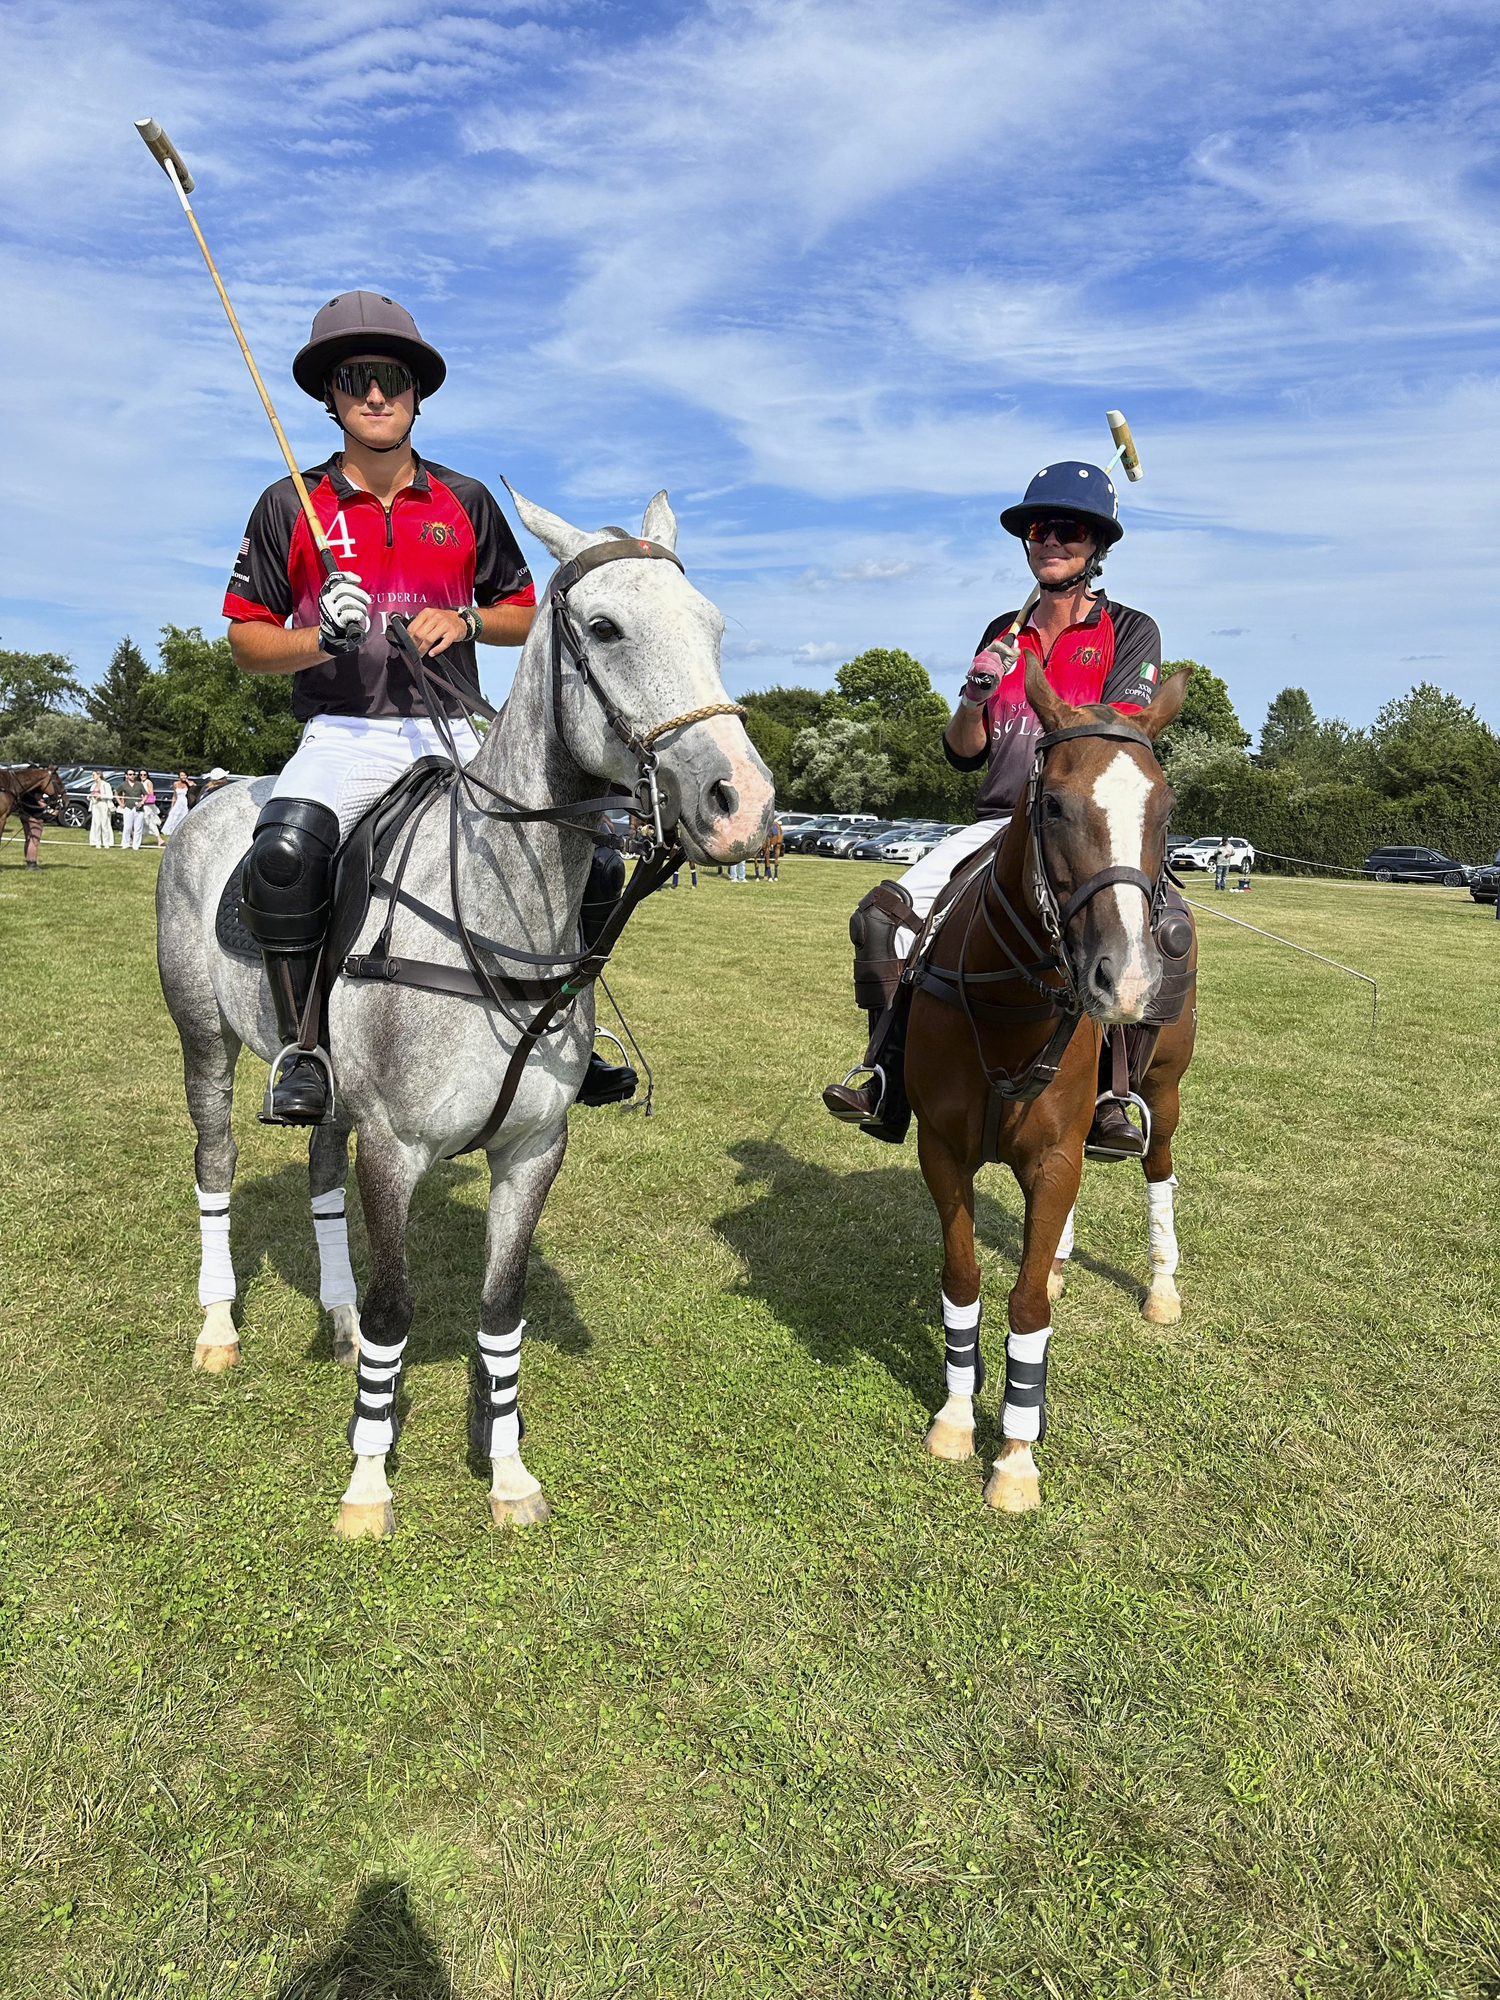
(365,323)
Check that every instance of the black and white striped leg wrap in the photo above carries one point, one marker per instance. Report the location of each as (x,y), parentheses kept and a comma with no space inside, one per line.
(1025,1412)
(498,1430)
(964,1362)
(215,1269)
(335,1272)
(372,1431)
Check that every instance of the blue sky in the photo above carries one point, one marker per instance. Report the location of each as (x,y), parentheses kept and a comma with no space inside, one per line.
(840,276)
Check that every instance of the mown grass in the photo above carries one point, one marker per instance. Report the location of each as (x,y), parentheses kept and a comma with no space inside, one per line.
(773,1705)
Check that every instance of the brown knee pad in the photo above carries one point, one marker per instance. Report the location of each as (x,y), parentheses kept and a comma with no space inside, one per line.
(872,931)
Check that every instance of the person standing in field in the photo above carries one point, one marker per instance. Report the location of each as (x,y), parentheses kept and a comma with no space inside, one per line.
(181,792)
(150,815)
(101,809)
(132,792)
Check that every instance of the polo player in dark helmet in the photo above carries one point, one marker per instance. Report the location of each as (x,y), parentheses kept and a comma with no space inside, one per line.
(410,536)
(1093,650)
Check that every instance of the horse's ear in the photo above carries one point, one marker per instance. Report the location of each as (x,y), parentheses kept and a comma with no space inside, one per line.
(1165,708)
(660,523)
(1052,711)
(551,530)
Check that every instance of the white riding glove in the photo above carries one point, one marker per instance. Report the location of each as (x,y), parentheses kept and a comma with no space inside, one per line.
(343,613)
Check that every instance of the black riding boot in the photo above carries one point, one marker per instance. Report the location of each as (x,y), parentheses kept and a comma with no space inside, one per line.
(880,1107)
(284,906)
(605,1083)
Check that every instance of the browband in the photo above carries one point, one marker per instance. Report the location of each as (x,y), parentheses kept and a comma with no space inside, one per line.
(1122,731)
(603,552)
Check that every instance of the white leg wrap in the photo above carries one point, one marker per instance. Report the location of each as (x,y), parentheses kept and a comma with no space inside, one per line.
(1065,1244)
(500,1358)
(1025,1385)
(961,1345)
(1162,1227)
(374,1431)
(215,1269)
(335,1272)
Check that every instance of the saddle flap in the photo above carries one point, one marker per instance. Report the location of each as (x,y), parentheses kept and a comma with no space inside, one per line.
(363,850)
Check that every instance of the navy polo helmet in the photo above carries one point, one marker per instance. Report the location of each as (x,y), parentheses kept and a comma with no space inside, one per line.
(1069,487)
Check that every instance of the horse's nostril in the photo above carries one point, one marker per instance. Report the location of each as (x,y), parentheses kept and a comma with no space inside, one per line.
(1103,975)
(726,799)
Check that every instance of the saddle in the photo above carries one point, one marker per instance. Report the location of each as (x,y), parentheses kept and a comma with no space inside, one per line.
(357,865)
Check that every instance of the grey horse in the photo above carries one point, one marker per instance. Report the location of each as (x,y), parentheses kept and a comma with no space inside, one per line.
(418,1073)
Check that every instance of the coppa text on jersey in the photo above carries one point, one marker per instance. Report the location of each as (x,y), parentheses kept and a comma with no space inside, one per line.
(443,542)
(1113,655)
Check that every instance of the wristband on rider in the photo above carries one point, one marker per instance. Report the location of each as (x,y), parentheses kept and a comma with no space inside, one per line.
(472,621)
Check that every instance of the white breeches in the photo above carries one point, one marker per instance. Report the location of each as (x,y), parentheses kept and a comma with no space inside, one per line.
(924,878)
(347,761)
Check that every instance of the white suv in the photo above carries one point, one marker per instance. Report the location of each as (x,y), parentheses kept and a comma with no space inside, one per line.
(1203,852)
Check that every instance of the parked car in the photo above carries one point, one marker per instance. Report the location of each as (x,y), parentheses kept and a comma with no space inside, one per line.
(802,839)
(789,821)
(1201,853)
(1416,864)
(838,840)
(876,845)
(910,843)
(1484,882)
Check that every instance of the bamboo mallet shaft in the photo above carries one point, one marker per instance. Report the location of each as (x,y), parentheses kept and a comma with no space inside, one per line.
(173,166)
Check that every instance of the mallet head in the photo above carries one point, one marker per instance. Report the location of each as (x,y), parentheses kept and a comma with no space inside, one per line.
(162,150)
(1119,430)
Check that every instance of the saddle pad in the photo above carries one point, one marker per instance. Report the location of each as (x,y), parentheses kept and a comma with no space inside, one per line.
(234,940)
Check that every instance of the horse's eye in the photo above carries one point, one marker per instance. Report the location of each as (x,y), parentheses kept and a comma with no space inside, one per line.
(604,628)
(1052,806)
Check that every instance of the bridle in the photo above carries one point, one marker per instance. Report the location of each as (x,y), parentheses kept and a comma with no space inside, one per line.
(1047,971)
(31,797)
(567,976)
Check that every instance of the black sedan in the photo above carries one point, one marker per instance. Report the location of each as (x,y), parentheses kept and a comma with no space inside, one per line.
(1484,882)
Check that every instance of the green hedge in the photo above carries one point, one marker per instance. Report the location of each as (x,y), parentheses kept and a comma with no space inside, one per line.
(1333,824)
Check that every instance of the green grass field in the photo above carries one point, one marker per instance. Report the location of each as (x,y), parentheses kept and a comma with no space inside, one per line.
(773,1706)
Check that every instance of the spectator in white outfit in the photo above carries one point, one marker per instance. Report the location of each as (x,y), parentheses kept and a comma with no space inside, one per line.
(101,807)
(132,794)
(179,810)
(150,812)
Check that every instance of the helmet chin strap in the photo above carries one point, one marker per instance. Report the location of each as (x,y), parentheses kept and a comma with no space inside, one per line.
(1082,581)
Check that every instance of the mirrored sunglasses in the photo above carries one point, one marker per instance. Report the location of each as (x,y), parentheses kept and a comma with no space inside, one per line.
(1064,527)
(353,378)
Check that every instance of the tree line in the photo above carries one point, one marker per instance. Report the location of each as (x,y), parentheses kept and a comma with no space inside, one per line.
(192,710)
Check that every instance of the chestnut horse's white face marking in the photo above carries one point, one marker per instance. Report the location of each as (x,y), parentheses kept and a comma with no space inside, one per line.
(1121,792)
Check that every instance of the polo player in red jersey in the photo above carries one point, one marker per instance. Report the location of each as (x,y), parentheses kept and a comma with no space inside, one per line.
(1093,650)
(412,537)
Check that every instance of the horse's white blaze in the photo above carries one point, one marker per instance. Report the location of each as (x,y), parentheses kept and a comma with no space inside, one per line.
(1121,792)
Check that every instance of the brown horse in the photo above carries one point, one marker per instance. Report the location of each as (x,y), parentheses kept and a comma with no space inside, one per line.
(1054,936)
(772,849)
(24,790)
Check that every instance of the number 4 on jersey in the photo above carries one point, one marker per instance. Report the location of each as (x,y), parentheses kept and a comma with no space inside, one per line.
(339,537)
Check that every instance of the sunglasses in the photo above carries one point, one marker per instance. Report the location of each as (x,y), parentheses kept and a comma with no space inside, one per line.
(1065,530)
(354,378)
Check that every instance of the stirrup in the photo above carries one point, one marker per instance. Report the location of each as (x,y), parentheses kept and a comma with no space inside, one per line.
(870,1069)
(295,1049)
(1097,1152)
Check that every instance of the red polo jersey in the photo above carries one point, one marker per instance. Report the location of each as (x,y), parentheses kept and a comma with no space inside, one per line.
(443,542)
(1112,655)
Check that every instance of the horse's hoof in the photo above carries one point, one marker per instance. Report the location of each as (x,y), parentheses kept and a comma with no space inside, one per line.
(1057,1281)
(346,1336)
(953,1441)
(216,1358)
(525,1512)
(1162,1306)
(361,1518)
(1012,1492)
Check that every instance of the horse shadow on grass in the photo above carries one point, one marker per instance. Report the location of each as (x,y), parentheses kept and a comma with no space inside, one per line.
(385,1949)
(852,1263)
(445,1255)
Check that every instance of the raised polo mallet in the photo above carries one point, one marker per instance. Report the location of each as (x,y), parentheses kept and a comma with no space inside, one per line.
(1126,454)
(175,169)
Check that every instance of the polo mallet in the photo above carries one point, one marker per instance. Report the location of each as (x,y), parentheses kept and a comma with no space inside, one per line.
(173,166)
(1126,456)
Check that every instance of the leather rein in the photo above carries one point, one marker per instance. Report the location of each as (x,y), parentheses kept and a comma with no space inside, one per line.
(657,853)
(1048,963)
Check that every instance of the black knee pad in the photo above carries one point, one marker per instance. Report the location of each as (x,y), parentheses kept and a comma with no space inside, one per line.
(284,889)
(606,885)
(872,931)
